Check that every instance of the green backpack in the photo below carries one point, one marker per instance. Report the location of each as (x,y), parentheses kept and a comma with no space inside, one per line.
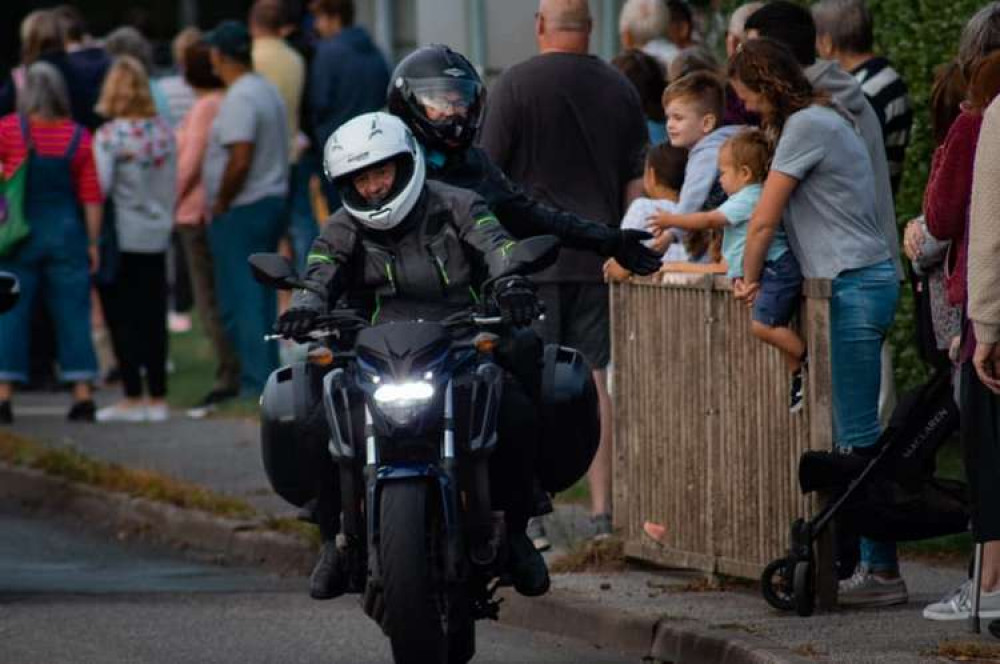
(14,227)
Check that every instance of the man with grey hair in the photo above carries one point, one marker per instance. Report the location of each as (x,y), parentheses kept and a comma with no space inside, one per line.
(642,24)
(844,33)
(570,129)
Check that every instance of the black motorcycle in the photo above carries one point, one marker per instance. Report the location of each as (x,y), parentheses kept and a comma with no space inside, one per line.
(412,415)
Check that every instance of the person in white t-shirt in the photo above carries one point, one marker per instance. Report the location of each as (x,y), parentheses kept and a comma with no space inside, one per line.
(662,181)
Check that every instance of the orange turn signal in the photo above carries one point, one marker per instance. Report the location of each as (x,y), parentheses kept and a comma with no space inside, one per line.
(485,342)
(320,356)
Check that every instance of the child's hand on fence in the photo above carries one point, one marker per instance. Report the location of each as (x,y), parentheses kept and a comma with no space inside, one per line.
(615,272)
(746,291)
(662,240)
(659,221)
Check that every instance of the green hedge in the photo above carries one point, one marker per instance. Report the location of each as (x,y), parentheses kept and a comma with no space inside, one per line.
(917,36)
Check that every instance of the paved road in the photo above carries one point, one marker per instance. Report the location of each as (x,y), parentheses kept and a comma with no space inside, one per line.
(69,595)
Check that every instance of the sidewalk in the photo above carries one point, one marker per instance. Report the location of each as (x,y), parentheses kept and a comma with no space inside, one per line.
(621,609)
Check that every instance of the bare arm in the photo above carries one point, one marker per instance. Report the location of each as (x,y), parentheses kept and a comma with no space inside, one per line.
(765,221)
(93,213)
(235,175)
(696,221)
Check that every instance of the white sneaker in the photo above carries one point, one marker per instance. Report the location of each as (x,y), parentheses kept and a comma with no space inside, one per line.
(122,413)
(865,589)
(958,605)
(158,413)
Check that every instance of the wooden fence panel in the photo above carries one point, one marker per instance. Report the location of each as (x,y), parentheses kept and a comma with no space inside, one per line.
(705,444)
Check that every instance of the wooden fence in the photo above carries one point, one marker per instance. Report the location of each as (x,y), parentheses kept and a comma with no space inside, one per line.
(705,444)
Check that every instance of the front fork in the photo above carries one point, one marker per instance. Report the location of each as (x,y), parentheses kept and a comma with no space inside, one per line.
(443,475)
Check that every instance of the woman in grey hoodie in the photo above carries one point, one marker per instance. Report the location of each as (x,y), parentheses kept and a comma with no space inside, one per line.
(135,156)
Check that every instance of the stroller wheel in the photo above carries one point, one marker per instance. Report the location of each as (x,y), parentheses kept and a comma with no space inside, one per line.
(804,591)
(776,584)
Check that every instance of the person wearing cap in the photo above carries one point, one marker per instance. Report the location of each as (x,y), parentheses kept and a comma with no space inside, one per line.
(245,174)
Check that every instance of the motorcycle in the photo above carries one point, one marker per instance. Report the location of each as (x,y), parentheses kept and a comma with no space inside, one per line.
(412,415)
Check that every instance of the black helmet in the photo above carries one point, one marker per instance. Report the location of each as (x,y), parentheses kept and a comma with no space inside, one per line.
(439,95)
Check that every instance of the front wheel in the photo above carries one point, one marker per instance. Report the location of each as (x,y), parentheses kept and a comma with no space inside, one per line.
(413,612)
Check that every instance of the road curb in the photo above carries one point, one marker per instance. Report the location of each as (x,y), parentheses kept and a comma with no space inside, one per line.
(231,541)
(567,614)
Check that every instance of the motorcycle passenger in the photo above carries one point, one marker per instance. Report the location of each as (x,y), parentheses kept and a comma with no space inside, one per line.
(439,95)
(418,249)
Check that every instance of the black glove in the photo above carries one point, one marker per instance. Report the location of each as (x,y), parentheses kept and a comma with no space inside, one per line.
(296,322)
(517,300)
(633,255)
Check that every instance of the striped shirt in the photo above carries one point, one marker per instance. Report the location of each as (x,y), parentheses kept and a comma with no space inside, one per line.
(52,139)
(890,98)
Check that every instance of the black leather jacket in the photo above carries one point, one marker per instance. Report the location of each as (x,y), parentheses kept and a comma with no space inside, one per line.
(428,266)
(521,215)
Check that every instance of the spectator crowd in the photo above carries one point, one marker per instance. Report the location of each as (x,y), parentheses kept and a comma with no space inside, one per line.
(772,159)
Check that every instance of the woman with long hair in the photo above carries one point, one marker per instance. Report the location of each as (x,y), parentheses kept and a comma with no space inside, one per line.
(61,181)
(136,161)
(822,184)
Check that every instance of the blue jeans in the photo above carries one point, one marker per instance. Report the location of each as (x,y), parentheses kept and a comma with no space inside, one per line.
(246,308)
(861,311)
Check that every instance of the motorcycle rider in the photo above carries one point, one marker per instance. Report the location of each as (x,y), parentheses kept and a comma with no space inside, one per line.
(438,94)
(418,249)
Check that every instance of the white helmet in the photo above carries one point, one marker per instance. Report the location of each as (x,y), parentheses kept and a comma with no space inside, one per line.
(367,140)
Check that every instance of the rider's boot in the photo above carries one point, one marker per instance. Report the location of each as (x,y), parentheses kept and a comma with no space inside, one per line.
(329,576)
(527,566)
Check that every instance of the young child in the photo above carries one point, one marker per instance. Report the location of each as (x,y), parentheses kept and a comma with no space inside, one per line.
(694,106)
(662,180)
(743,163)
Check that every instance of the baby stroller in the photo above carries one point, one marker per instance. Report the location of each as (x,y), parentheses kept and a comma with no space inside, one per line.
(887,492)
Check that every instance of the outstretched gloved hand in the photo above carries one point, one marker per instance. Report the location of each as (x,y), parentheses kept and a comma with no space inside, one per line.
(517,300)
(633,255)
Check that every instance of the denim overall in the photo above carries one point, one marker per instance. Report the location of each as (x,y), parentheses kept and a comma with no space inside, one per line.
(52,262)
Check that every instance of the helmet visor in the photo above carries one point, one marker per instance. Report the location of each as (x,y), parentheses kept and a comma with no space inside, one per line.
(445,99)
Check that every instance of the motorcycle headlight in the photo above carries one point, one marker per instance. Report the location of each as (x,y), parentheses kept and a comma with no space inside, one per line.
(401,402)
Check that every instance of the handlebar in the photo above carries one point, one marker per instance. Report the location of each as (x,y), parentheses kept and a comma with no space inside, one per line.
(336,322)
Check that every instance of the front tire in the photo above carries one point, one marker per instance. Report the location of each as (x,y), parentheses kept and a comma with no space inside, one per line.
(413,614)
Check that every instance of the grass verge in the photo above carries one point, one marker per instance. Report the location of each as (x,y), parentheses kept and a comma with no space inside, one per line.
(194,374)
(71,465)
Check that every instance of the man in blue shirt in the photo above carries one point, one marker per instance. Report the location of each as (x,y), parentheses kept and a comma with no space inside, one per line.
(349,75)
